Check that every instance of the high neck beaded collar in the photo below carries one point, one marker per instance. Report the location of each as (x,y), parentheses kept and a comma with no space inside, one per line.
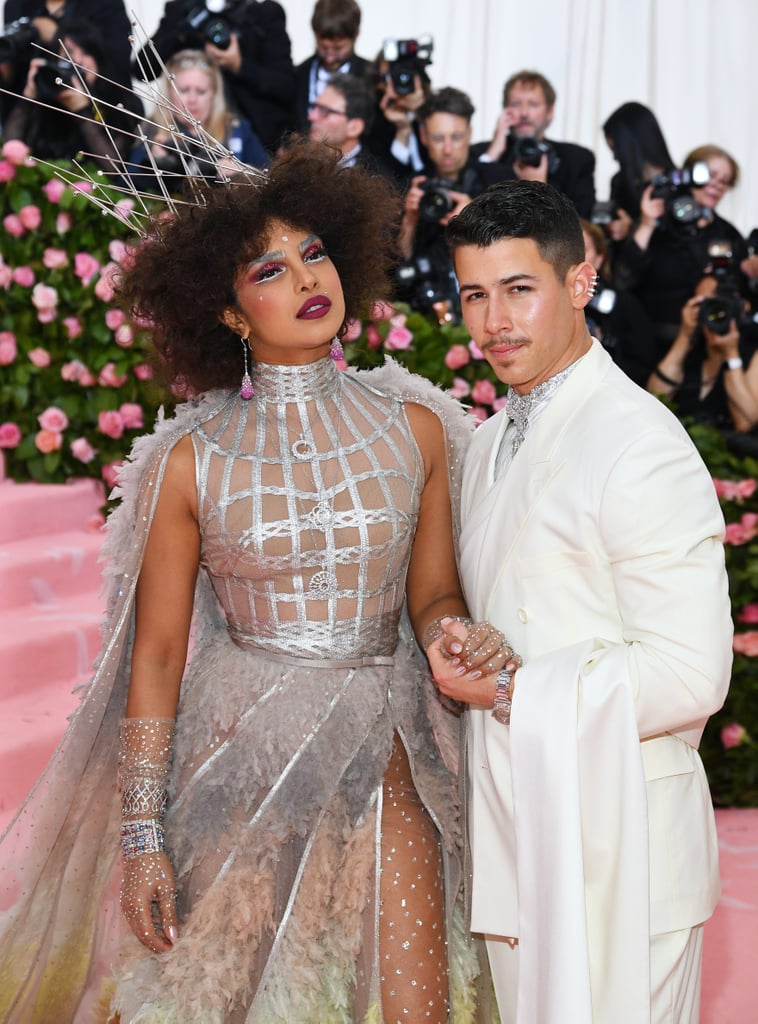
(279,383)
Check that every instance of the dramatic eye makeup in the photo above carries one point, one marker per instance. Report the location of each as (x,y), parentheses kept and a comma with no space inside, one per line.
(272,264)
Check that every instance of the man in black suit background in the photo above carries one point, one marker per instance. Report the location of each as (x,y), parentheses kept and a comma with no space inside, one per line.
(335,25)
(520,147)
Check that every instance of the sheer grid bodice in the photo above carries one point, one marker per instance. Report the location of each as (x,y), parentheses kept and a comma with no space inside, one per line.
(310,520)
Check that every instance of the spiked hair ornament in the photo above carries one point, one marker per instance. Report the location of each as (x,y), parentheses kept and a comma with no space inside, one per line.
(198,155)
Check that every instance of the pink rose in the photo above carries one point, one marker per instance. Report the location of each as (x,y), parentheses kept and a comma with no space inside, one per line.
(106,283)
(124,336)
(70,371)
(72,325)
(10,435)
(456,357)
(499,403)
(46,316)
(373,337)
(53,418)
(82,186)
(143,372)
(114,318)
(110,473)
(352,330)
(7,171)
(63,223)
(460,388)
(398,339)
(53,259)
(475,351)
(110,423)
(478,413)
(87,379)
(8,349)
(746,643)
(30,217)
(48,441)
(54,189)
(749,613)
(382,311)
(13,225)
(734,490)
(15,152)
(743,531)
(108,378)
(82,450)
(484,392)
(131,414)
(398,319)
(24,276)
(6,275)
(85,267)
(732,735)
(39,357)
(118,250)
(44,297)
(124,208)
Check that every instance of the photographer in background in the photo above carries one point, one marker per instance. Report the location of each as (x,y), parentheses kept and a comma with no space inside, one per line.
(37,21)
(341,116)
(335,25)
(616,319)
(451,179)
(50,131)
(248,42)
(520,147)
(670,247)
(711,370)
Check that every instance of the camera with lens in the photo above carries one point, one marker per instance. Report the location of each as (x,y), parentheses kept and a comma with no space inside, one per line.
(406,59)
(16,39)
(53,75)
(213,22)
(530,151)
(436,201)
(604,212)
(717,311)
(674,187)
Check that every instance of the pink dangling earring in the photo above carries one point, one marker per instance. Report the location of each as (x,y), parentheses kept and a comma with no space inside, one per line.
(246,387)
(337,352)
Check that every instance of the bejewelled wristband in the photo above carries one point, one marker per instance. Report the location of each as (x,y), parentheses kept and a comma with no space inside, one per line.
(138,837)
(501,709)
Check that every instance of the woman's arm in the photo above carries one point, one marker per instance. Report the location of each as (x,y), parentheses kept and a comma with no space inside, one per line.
(669,373)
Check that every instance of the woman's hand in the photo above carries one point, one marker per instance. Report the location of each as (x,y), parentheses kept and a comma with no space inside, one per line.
(148,900)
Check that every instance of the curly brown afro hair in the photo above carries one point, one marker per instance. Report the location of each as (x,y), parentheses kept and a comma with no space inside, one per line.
(181,279)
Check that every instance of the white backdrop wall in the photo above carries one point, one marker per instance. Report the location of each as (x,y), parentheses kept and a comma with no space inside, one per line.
(694,62)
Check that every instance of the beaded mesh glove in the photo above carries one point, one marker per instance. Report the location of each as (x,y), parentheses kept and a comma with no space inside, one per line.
(147,887)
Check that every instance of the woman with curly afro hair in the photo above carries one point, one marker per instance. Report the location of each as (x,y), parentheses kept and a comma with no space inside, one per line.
(287,799)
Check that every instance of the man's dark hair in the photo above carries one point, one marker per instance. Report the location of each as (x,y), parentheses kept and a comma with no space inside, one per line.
(446,101)
(336,19)
(359,97)
(532,80)
(522,209)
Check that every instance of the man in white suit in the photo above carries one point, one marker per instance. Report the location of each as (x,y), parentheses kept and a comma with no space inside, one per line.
(591,535)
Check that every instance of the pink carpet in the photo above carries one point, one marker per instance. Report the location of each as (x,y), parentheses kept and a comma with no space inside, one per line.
(50,609)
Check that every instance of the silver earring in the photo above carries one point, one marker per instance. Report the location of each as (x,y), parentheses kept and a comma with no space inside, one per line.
(592,286)
(337,352)
(246,386)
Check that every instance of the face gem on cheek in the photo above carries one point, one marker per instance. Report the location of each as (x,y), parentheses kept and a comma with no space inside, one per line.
(285,238)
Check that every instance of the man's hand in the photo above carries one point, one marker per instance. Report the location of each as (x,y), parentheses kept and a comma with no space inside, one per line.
(461,200)
(525,172)
(465,665)
(619,227)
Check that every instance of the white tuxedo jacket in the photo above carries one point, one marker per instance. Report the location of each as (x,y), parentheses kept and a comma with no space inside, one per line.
(599,555)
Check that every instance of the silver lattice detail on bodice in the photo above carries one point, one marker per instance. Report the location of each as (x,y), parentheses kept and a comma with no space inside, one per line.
(308,498)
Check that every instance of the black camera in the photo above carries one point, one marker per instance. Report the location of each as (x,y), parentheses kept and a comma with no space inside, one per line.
(674,187)
(436,202)
(207,21)
(717,312)
(530,151)
(53,75)
(16,38)
(407,58)
(604,212)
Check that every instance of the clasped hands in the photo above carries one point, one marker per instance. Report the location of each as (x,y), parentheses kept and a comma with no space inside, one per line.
(466,660)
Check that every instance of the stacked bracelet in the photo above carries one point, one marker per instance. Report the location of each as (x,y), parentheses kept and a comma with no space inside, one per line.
(501,709)
(138,837)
